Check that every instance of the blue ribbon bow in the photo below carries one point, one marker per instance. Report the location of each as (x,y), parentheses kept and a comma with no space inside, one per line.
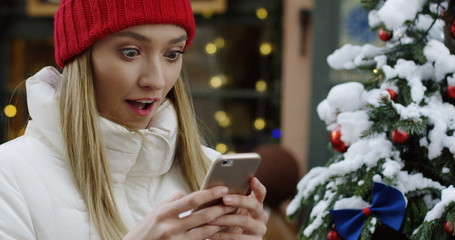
(389,206)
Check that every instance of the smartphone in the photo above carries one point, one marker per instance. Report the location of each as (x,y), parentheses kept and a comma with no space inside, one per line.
(233,171)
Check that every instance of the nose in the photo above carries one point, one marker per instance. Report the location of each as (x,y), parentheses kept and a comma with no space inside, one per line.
(152,75)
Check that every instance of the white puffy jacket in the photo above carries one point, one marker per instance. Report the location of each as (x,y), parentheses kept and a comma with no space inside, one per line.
(38,197)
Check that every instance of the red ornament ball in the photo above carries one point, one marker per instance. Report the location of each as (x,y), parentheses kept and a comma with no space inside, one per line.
(333,235)
(335,139)
(449,227)
(451,91)
(393,94)
(385,35)
(399,136)
(452,29)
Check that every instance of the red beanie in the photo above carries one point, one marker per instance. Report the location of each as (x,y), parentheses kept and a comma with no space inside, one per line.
(79,23)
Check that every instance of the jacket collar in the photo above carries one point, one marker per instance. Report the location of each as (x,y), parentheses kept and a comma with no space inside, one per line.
(147,152)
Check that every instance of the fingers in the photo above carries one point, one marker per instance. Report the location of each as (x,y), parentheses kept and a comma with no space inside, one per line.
(205,216)
(229,236)
(258,189)
(203,231)
(254,207)
(194,200)
(250,226)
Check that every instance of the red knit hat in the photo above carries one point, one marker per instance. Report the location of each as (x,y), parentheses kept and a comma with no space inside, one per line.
(79,23)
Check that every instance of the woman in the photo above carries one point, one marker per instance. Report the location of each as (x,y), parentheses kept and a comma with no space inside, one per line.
(112,150)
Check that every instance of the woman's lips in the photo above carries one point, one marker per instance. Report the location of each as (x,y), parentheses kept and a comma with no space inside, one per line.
(141,107)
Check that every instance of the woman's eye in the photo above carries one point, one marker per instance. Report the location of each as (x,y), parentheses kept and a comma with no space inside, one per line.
(130,52)
(174,55)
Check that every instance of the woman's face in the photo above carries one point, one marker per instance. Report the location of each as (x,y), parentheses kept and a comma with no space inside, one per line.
(134,69)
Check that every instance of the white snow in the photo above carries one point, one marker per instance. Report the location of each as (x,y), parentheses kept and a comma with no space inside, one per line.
(346,97)
(444,62)
(391,168)
(353,124)
(326,112)
(373,19)
(411,182)
(307,185)
(424,22)
(350,56)
(354,202)
(447,196)
(366,151)
(395,12)
(343,57)
(374,96)
(408,70)
(381,60)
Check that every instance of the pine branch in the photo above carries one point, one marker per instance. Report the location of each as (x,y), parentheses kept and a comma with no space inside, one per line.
(415,213)
(366,233)
(382,116)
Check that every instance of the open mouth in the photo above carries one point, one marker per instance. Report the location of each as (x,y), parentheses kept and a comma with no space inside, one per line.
(141,104)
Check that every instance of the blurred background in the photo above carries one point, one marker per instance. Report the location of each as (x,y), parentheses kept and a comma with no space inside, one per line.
(257,70)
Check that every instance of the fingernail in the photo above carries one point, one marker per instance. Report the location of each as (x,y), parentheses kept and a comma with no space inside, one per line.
(223,190)
(227,199)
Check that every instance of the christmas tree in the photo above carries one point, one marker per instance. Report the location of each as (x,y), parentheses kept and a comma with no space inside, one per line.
(393,135)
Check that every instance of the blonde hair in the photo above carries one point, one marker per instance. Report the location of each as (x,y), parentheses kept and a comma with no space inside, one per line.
(85,150)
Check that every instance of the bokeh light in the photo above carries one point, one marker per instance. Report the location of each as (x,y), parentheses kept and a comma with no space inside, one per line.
(218,81)
(221,147)
(223,119)
(266,48)
(219,42)
(261,86)
(262,13)
(259,124)
(10,111)
(276,133)
(210,48)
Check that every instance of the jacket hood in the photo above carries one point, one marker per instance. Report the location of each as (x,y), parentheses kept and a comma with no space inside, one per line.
(148,152)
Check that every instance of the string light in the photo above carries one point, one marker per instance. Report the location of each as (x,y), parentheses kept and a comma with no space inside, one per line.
(261,13)
(210,48)
(276,133)
(223,119)
(375,71)
(207,14)
(259,124)
(10,111)
(219,42)
(266,48)
(261,86)
(221,147)
(218,81)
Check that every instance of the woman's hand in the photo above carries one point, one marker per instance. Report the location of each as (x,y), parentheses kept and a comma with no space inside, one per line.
(164,222)
(249,223)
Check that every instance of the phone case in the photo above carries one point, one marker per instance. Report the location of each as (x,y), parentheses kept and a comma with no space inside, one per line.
(232,170)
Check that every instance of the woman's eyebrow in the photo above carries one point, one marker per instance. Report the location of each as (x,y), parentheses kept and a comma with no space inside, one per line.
(179,39)
(134,35)
(142,38)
